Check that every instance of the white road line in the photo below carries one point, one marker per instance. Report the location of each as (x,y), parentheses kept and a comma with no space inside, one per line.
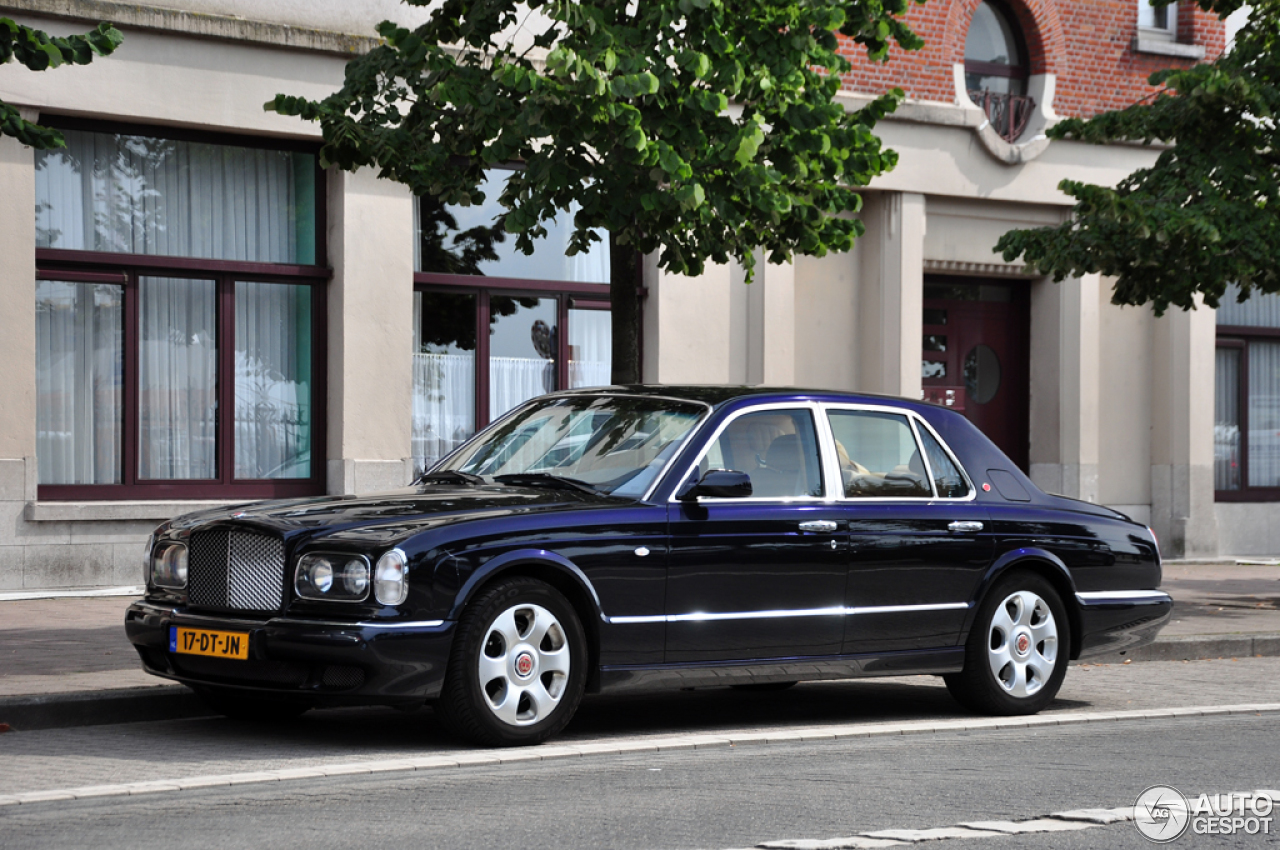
(548,752)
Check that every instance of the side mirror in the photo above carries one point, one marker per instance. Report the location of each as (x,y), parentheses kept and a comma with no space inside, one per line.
(720,483)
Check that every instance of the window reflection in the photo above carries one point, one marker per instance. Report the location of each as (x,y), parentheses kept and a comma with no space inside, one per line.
(472,241)
(522,351)
(444,374)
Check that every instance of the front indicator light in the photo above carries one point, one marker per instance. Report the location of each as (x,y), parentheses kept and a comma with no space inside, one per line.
(390,583)
(333,578)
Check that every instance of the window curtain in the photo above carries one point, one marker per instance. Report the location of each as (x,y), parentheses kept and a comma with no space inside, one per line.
(1226,420)
(513,380)
(1264,414)
(590,348)
(177,378)
(141,195)
(79,383)
(273,381)
(444,393)
(1260,311)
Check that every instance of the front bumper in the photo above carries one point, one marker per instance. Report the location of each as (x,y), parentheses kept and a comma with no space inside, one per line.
(325,662)
(1121,620)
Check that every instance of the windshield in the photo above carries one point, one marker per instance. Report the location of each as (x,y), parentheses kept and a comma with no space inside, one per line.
(616,444)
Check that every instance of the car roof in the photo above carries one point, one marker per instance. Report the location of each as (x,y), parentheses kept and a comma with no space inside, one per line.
(721,394)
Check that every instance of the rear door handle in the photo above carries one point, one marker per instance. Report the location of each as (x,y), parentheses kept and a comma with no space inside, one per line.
(962,526)
(818,525)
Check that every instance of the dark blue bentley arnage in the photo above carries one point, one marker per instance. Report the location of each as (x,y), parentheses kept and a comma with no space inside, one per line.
(647,537)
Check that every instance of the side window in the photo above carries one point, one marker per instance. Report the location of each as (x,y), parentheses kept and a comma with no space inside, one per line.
(878,455)
(946,477)
(777,448)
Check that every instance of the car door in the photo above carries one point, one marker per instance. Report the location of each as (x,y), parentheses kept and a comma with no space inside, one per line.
(761,576)
(918,543)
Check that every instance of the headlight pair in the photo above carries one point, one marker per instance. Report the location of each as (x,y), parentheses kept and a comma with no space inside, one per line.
(335,578)
(346,578)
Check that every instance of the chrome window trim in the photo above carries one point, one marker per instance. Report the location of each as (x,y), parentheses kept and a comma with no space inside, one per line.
(915,421)
(814,408)
(834,611)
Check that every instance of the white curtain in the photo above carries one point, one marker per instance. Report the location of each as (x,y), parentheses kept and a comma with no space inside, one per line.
(444,403)
(177,378)
(273,381)
(140,195)
(590,348)
(1264,414)
(79,369)
(513,380)
(1226,420)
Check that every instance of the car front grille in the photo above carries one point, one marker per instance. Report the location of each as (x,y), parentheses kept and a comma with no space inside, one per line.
(235,571)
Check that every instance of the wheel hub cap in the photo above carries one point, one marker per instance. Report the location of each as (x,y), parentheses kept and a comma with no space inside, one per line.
(524,664)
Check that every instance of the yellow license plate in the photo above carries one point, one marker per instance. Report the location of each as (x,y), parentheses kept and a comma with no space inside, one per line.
(208,642)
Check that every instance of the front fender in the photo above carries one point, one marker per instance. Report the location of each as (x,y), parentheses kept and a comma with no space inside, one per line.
(510,561)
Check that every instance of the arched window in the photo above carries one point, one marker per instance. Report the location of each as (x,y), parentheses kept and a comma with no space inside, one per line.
(996,69)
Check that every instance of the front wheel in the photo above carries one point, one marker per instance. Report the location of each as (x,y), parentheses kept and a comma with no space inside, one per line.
(518,667)
(1016,654)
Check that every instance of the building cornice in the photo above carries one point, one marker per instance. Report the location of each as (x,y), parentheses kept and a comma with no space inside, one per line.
(197,25)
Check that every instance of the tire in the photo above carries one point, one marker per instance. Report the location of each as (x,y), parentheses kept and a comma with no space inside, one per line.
(517,668)
(252,709)
(1018,649)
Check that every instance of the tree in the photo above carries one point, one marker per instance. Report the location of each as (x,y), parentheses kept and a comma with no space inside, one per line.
(1207,214)
(39,51)
(705,129)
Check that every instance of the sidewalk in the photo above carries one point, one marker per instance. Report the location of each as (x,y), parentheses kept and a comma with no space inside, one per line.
(65,661)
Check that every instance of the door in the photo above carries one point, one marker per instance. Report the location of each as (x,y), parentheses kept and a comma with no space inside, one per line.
(917,541)
(976,356)
(764,576)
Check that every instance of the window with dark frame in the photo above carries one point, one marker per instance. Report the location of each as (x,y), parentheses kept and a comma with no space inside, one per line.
(494,327)
(179,316)
(996,69)
(1246,428)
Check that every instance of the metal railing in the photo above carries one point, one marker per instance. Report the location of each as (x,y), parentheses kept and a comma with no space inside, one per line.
(1008,113)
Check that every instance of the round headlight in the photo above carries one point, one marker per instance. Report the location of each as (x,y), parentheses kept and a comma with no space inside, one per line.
(169,566)
(389,578)
(355,577)
(322,575)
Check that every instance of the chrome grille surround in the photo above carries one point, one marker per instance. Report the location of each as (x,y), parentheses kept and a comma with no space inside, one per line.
(232,570)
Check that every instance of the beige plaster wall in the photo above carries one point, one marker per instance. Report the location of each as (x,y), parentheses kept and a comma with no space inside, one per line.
(1124,450)
(370,333)
(159,78)
(826,316)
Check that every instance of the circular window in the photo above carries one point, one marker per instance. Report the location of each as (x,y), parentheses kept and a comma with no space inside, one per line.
(981,374)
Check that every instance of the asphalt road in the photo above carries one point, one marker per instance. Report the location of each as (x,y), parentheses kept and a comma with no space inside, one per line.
(704,799)
(715,798)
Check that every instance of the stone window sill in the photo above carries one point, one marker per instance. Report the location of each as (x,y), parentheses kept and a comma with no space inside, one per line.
(116,511)
(1164,47)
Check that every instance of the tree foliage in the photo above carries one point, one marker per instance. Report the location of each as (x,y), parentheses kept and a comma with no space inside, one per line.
(1207,214)
(39,51)
(703,129)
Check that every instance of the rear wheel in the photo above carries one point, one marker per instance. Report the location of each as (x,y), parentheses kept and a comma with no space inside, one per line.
(1016,654)
(518,666)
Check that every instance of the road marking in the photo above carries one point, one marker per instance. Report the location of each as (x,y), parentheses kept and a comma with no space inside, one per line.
(549,752)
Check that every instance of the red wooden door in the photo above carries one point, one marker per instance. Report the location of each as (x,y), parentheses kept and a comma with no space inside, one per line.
(976,357)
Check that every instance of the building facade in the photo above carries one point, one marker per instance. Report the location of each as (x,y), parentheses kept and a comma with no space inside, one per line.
(193,312)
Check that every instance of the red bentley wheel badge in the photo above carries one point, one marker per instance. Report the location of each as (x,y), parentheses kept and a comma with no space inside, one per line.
(524,664)
(1023,643)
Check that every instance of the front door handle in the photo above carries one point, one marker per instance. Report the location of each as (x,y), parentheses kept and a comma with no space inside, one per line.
(962,526)
(818,525)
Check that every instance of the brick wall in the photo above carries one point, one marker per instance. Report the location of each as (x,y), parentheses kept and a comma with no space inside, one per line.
(1088,44)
